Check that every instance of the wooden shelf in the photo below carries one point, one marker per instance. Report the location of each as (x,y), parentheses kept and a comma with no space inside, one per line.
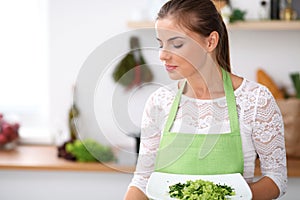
(247,25)
(31,157)
(140,24)
(265,25)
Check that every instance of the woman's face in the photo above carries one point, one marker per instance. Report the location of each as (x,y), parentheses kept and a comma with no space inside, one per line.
(182,51)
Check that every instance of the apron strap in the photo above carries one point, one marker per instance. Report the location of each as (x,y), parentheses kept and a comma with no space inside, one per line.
(230,99)
(231,103)
(173,112)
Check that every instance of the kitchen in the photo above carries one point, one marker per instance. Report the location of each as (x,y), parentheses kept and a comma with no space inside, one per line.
(76,29)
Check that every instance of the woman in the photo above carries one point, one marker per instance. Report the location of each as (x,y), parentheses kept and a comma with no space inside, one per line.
(208,99)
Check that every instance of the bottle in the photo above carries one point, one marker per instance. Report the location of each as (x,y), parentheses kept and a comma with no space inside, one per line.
(226,12)
(288,12)
(73,113)
(275,9)
(263,11)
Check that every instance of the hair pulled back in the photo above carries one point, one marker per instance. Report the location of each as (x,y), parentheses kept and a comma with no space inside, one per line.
(200,16)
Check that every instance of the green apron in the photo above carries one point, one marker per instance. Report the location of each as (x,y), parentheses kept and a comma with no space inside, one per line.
(202,154)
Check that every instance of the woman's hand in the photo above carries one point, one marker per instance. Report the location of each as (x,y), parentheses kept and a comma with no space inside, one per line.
(264,189)
(134,193)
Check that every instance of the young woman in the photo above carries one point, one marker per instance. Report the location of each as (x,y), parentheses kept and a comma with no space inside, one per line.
(207,99)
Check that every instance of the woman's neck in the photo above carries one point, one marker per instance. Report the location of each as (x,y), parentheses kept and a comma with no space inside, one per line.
(205,85)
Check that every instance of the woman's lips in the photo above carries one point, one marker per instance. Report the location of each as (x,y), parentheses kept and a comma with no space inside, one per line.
(170,67)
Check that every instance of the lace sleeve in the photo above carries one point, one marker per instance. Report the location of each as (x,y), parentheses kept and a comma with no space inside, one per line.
(150,136)
(268,137)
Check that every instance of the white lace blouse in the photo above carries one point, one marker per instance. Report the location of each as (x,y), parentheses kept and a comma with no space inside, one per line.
(261,129)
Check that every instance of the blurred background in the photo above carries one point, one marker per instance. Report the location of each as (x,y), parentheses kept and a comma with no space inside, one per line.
(45,44)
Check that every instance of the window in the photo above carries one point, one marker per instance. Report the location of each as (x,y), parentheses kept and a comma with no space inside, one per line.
(23,64)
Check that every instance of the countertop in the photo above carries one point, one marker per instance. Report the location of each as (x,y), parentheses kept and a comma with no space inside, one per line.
(43,157)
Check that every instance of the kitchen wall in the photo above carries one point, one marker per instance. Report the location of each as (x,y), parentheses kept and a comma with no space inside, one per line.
(274,51)
(80,28)
(77,28)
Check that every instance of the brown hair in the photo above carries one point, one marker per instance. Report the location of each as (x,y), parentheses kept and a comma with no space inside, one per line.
(200,16)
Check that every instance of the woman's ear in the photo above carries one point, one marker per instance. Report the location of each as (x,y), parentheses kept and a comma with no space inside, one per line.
(212,41)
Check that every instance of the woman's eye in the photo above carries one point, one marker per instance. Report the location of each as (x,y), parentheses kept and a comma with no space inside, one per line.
(177,46)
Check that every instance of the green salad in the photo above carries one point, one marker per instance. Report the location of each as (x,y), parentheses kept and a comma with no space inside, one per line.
(200,189)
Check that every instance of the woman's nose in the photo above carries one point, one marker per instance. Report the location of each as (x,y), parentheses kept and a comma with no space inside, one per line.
(164,54)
